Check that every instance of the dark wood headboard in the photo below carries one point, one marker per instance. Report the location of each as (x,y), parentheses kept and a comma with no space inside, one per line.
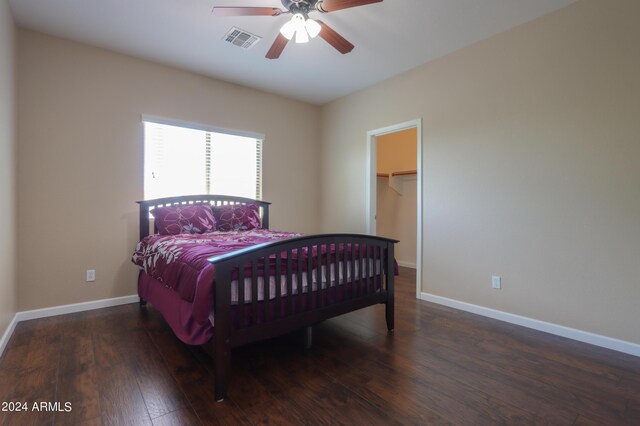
(215,200)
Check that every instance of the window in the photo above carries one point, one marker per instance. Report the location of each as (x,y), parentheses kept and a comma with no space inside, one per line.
(189,159)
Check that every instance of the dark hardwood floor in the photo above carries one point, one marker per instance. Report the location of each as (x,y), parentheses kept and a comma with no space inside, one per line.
(123,366)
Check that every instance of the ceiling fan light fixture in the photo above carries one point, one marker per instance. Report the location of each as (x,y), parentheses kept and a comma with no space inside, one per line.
(301,27)
(302,36)
(312,27)
(290,29)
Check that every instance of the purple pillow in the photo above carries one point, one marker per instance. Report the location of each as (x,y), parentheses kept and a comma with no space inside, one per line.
(184,219)
(237,217)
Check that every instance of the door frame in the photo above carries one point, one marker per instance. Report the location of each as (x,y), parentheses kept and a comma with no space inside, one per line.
(372,186)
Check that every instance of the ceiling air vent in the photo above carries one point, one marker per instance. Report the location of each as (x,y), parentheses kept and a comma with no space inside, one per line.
(241,38)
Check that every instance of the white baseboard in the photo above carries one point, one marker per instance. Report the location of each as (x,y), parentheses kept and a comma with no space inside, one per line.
(61,310)
(558,330)
(406,264)
(75,307)
(7,334)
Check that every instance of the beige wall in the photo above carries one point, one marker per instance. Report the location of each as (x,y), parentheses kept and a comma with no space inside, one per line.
(531,167)
(396,210)
(7,169)
(80,164)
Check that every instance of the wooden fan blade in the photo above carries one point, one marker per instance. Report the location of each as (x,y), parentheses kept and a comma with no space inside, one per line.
(277,47)
(333,38)
(333,5)
(246,11)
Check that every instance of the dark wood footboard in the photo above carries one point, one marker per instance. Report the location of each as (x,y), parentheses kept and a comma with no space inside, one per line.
(316,277)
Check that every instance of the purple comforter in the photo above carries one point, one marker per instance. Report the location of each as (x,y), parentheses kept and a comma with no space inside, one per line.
(179,264)
(180,261)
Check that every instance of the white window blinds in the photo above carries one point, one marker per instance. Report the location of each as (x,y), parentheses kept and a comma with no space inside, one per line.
(185,161)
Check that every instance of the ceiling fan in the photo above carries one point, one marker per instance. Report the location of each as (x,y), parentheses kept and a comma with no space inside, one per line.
(300,26)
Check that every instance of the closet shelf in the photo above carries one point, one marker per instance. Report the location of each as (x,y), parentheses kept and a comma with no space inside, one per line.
(405,173)
(398,173)
(395,181)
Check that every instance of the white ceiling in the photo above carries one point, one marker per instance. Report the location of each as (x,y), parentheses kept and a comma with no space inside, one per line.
(390,37)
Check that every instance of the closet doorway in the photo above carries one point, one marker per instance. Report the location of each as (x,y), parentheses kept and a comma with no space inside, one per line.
(394,190)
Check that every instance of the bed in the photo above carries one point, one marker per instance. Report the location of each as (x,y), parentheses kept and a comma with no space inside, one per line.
(229,287)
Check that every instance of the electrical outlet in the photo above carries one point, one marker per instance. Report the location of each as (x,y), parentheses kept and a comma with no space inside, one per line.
(496,282)
(91,275)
